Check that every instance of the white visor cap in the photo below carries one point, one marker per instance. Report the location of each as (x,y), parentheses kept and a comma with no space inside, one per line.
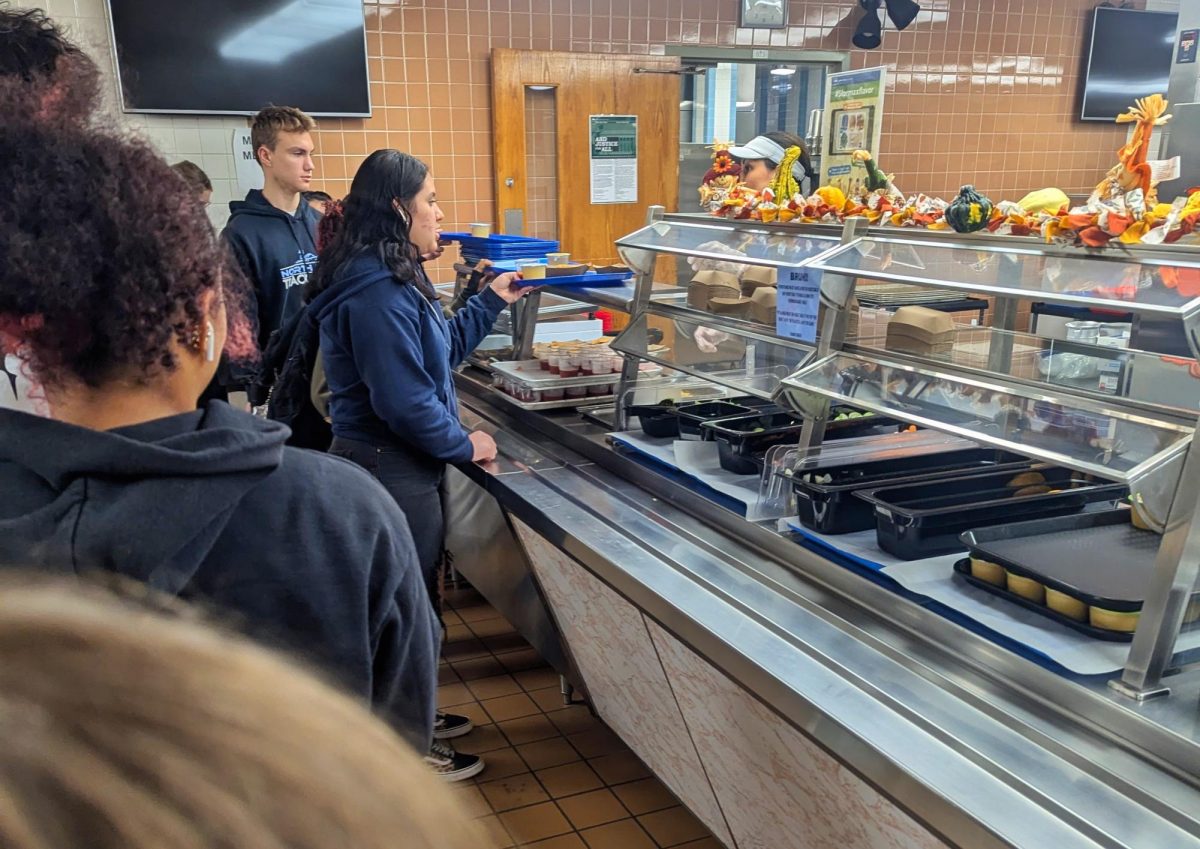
(761,147)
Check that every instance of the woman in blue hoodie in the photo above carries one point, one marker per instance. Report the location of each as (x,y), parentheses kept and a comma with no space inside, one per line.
(388,350)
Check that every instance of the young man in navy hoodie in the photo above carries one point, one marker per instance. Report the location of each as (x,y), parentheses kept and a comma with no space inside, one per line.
(273,232)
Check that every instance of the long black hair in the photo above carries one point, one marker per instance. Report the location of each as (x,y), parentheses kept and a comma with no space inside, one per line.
(367,220)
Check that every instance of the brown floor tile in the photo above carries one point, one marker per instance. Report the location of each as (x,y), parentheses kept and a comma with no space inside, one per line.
(528,729)
(516,791)
(457,634)
(547,753)
(535,823)
(597,742)
(574,719)
(520,660)
(447,675)
(594,808)
(622,834)
(464,650)
(563,841)
(457,597)
(494,687)
(510,707)
(472,710)
(477,612)
(549,699)
(673,826)
(478,667)
(501,643)
(454,694)
(500,763)
(472,800)
(619,768)
(451,618)
(497,835)
(705,843)
(537,679)
(491,627)
(483,738)
(642,797)
(569,779)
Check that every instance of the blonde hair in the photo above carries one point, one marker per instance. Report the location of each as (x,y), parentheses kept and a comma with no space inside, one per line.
(135,728)
(273,120)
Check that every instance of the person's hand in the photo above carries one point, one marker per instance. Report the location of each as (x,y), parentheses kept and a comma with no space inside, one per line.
(508,287)
(708,339)
(484,445)
(434,254)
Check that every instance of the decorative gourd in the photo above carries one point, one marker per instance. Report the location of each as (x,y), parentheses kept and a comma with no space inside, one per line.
(969,211)
(785,185)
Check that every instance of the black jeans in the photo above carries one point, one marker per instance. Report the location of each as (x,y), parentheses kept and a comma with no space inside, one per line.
(414,480)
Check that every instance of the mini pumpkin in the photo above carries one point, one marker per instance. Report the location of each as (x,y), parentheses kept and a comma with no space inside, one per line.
(968,212)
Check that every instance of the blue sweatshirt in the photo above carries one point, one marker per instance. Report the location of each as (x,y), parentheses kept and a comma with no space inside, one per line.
(277,252)
(389,355)
(306,550)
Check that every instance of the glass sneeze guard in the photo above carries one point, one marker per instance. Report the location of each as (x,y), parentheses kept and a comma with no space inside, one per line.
(1163,285)
(728,354)
(1090,437)
(719,242)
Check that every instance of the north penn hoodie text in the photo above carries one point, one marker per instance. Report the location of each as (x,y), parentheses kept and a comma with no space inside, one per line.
(277,251)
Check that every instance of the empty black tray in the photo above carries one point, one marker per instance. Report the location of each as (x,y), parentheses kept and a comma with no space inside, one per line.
(692,416)
(925,519)
(1099,558)
(963,569)
(831,508)
(739,439)
(656,419)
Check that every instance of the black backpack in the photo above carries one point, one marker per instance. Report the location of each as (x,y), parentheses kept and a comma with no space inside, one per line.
(284,382)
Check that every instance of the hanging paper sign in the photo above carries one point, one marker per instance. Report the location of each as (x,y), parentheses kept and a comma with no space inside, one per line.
(797,302)
(245,165)
(613,157)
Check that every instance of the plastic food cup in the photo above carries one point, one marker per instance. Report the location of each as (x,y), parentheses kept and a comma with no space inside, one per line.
(558,259)
(481,230)
(532,270)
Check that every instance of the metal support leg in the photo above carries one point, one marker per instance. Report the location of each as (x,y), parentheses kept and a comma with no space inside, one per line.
(1176,568)
(525,314)
(1001,344)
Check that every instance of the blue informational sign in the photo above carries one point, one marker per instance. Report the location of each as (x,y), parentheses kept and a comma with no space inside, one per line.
(797,303)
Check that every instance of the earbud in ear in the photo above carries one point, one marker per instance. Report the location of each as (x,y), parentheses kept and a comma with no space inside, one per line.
(210,342)
(402,212)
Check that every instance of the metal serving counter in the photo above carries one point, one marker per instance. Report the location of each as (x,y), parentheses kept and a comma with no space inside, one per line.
(789,702)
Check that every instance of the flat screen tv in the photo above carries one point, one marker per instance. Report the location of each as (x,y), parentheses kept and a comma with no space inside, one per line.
(236,56)
(1128,55)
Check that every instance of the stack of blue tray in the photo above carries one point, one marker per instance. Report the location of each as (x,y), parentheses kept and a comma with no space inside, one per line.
(498,247)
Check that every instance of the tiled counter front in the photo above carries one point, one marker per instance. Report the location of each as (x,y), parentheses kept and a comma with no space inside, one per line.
(755,781)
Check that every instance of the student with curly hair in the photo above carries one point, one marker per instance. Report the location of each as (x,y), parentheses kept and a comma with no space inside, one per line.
(114,287)
(42,73)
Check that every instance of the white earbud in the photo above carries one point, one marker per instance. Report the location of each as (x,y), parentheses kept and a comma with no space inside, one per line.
(210,342)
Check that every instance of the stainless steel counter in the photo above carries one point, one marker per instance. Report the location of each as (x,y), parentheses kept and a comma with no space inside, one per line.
(981,746)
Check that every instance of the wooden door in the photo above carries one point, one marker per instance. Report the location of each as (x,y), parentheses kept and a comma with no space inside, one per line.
(585,85)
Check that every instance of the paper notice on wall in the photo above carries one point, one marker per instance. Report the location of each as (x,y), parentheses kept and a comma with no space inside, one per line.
(613,156)
(798,302)
(1164,169)
(246,169)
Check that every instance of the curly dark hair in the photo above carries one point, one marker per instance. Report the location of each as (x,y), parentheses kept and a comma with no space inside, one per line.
(42,72)
(104,257)
(366,220)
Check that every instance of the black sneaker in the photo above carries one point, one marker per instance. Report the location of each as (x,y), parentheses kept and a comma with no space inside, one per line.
(447,725)
(452,765)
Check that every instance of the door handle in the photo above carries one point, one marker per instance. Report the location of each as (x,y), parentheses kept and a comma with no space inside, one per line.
(509,182)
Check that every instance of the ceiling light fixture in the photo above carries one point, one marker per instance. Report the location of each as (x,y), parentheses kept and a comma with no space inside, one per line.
(783,71)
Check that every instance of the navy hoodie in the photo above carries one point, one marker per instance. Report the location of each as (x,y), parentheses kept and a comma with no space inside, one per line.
(277,251)
(308,550)
(389,355)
